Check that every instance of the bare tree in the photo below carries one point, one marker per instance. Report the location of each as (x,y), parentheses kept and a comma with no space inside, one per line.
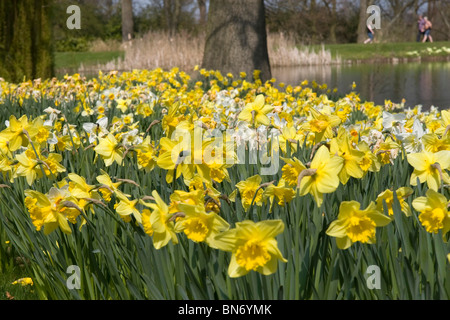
(444,17)
(236,38)
(398,9)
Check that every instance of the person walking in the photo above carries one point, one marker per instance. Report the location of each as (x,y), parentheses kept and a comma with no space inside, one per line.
(427,34)
(370,34)
(420,28)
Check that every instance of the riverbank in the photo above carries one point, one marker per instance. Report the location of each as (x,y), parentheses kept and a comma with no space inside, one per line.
(71,62)
(389,52)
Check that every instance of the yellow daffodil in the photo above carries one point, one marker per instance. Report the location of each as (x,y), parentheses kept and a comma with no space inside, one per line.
(322,175)
(19,132)
(4,149)
(199,225)
(369,161)
(162,225)
(283,193)
(291,170)
(249,190)
(289,136)
(52,164)
(432,143)
(353,224)
(444,130)
(388,196)
(352,158)
(256,112)
(195,197)
(146,155)
(28,166)
(253,247)
(434,214)
(127,208)
(24,281)
(321,124)
(146,223)
(386,151)
(107,187)
(430,167)
(81,190)
(183,156)
(171,120)
(51,210)
(110,150)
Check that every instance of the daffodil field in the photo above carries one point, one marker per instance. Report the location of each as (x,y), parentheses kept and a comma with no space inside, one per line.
(155,184)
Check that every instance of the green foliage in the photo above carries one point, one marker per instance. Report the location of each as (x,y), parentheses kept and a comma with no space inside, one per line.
(26,50)
(99,20)
(72,45)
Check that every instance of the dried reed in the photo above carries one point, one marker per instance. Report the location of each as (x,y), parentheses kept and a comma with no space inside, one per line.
(159,50)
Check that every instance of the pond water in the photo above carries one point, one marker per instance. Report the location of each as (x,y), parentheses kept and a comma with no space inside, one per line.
(419,83)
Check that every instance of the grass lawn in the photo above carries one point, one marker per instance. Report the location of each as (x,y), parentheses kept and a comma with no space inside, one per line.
(71,61)
(9,291)
(12,269)
(355,51)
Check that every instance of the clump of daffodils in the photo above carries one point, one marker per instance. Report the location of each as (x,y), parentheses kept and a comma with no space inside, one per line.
(188,139)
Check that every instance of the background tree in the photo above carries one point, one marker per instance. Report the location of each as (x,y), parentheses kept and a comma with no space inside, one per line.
(127,20)
(362,24)
(236,38)
(326,21)
(26,40)
(172,10)
(100,19)
(332,13)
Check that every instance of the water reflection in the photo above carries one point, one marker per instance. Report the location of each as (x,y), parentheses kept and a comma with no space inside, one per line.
(425,83)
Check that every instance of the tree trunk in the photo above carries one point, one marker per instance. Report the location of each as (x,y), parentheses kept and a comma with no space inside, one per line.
(202,10)
(333,22)
(25,33)
(362,34)
(168,15)
(176,16)
(127,20)
(236,38)
(312,9)
(172,12)
(43,56)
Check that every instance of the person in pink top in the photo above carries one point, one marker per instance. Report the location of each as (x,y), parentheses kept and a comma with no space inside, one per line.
(427,34)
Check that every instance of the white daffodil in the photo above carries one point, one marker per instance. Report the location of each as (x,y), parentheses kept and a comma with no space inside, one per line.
(52,115)
(97,129)
(412,141)
(131,138)
(391,121)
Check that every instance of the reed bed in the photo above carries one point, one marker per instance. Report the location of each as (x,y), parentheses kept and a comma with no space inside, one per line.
(184,51)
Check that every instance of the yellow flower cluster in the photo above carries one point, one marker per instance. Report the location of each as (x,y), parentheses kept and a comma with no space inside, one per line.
(196,133)
(24,282)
